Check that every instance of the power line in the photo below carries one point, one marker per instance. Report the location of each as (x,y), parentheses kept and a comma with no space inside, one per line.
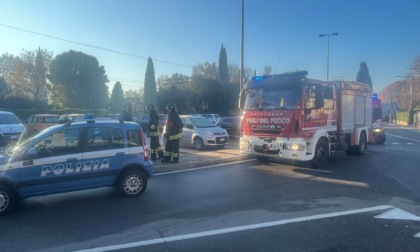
(92,46)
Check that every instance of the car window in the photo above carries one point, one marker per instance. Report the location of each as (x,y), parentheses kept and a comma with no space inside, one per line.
(202,122)
(102,138)
(51,119)
(134,138)
(59,143)
(9,119)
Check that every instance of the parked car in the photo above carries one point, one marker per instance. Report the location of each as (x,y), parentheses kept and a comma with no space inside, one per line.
(70,117)
(11,128)
(231,125)
(76,156)
(199,133)
(38,122)
(212,117)
(143,120)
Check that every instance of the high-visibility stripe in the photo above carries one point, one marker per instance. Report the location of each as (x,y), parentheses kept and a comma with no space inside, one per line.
(175,154)
(153,126)
(159,148)
(177,136)
(154,133)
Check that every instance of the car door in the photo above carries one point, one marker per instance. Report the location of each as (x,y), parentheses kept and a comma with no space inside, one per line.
(104,155)
(52,164)
(187,131)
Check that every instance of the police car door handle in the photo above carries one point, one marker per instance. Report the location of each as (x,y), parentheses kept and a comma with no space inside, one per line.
(71,159)
(120,154)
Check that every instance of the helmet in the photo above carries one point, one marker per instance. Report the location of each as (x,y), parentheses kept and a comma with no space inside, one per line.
(151,107)
(171,107)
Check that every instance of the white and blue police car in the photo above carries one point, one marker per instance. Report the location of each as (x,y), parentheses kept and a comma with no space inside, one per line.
(76,156)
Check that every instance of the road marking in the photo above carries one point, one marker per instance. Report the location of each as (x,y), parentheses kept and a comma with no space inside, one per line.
(203,167)
(403,138)
(235,229)
(398,214)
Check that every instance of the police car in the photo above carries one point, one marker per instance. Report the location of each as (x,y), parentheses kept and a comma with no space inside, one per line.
(76,156)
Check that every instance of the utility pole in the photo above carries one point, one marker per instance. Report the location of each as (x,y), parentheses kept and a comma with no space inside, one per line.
(328,49)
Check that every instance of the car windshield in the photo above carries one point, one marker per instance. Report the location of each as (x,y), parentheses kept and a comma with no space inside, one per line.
(9,119)
(272,99)
(201,122)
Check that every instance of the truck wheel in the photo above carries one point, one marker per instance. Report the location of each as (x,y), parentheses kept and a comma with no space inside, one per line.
(321,154)
(361,148)
(263,159)
(132,183)
(8,199)
(198,143)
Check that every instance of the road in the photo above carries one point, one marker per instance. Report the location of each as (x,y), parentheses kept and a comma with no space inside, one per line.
(367,203)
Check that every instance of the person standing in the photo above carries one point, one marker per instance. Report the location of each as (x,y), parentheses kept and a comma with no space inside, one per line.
(154,134)
(173,134)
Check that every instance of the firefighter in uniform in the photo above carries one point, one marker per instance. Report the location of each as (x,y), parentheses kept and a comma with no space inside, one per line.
(154,134)
(173,134)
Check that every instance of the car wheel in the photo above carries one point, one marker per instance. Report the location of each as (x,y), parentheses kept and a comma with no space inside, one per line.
(8,199)
(132,183)
(198,143)
(321,154)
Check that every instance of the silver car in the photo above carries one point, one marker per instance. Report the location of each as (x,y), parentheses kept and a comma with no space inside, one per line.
(199,133)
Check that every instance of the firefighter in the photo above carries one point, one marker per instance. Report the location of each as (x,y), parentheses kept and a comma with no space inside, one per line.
(127,114)
(173,134)
(157,151)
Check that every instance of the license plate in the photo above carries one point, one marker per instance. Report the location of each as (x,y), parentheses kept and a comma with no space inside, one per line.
(222,139)
(13,137)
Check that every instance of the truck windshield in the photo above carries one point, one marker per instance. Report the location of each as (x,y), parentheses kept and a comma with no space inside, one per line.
(259,99)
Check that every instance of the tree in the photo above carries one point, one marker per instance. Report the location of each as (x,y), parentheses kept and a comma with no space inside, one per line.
(26,75)
(363,74)
(267,70)
(78,81)
(206,71)
(149,84)
(177,79)
(223,66)
(117,98)
(135,98)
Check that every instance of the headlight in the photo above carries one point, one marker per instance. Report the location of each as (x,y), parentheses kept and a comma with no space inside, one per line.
(295,147)
(377,130)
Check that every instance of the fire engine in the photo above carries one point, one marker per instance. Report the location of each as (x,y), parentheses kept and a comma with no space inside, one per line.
(378,133)
(293,117)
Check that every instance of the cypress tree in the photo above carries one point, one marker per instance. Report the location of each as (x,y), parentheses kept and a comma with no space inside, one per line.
(223,66)
(363,74)
(117,98)
(149,84)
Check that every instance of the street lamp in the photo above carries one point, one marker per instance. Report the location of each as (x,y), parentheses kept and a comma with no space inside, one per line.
(328,49)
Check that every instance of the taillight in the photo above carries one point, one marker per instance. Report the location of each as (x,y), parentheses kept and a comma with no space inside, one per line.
(145,147)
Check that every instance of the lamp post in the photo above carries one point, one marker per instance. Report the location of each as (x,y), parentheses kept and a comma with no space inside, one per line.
(328,49)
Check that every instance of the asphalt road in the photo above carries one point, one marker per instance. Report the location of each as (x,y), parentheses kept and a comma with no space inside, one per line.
(367,203)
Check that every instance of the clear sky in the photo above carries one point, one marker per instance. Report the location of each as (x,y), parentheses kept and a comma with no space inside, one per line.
(178,34)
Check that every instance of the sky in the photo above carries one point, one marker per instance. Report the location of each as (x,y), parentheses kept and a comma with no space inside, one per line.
(180,34)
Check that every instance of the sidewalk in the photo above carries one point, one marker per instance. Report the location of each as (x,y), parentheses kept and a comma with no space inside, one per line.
(191,158)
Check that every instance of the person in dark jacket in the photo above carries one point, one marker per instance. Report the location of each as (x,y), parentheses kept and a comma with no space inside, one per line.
(173,134)
(154,134)
(127,114)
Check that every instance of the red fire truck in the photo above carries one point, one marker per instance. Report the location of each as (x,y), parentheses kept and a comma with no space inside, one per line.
(293,117)
(378,133)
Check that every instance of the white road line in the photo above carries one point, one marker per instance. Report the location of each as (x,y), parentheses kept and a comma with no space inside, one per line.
(203,167)
(410,139)
(235,229)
